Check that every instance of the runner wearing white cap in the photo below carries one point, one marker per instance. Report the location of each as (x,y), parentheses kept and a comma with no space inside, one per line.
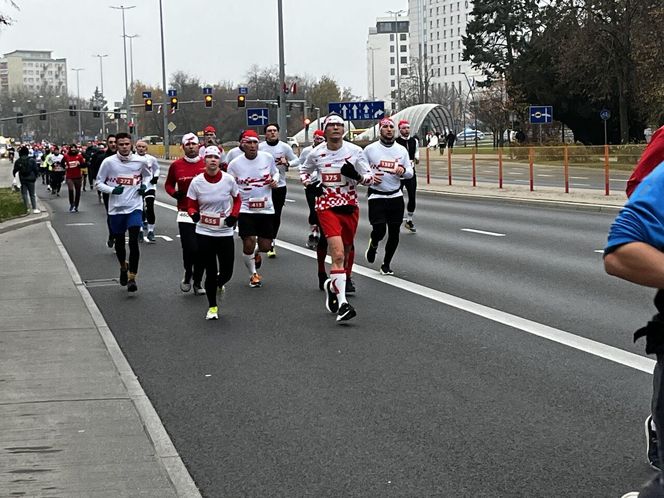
(149,218)
(214,202)
(413,147)
(180,174)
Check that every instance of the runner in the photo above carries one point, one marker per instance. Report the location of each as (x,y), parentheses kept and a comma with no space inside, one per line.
(314,232)
(210,138)
(73,162)
(257,176)
(124,176)
(390,161)
(149,218)
(57,174)
(111,150)
(214,203)
(180,174)
(341,166)
(284,158)
(413,147)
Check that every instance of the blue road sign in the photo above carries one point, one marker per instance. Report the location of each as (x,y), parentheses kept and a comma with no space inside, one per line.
(207,90)
(172,93)
(355,111)
(147,95)
(257,117)
(604,114)
(541,114)
(243,90)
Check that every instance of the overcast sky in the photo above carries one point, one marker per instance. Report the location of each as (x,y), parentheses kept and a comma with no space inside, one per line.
(214,40)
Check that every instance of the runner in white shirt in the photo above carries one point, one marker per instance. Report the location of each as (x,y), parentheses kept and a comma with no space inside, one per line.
(214,204)
(314,233)
(256,176)
(284,158)
(125,177)
(210,138)
(149,218)
(340,167)
(390,161)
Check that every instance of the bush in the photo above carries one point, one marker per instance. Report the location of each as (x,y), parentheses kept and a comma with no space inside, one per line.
(11,204)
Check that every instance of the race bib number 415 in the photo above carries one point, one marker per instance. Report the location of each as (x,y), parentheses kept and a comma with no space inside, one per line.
(257,203)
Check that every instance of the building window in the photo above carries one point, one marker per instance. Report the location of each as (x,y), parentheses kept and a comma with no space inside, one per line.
(445,73)
(452,69)
(391,60)
(402,37)
(392,83)
(439,72)
(404,71)
(392,71)
(403,48)
(404,60)
(391,49)
(391,36)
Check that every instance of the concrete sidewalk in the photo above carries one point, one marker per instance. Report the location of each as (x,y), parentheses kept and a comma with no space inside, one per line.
(74,421)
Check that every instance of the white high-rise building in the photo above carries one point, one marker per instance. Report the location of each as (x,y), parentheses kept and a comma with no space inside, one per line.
(436,31)
(388,59)
(33,71)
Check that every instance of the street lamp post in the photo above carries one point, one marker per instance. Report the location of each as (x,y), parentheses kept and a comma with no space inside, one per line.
(131,77)
(78,101)
(472,93)
(373,73)
(101,75)
(124,47)
(163,81)
(396,14)
(283,122)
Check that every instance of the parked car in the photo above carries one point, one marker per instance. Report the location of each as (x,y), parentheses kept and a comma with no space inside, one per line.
(293,143)
(469,134)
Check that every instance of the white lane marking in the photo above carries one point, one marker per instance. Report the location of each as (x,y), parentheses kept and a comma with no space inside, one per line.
(595,348)
(164,205)
(482,232)
(547,176)
(579,178)
(290,200)
(79,224)
(601,251)
(165,237)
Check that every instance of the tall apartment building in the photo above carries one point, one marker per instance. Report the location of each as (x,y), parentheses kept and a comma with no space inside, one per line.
(33,71)
(388,59)
(436,31)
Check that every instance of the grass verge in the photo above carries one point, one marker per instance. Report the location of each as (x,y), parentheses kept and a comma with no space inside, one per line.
(11,204)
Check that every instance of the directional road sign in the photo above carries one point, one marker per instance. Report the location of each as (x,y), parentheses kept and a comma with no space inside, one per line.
(355,111)
(172,93)
(257,117)
(243,90)
(147,95)
(207,90)
(604,114)
(542,114)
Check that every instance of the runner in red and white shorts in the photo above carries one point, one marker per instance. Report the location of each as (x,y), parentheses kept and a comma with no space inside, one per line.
(256,176)
(340,166)
(214,203)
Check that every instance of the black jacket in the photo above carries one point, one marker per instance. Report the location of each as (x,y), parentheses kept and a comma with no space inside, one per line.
(27,169)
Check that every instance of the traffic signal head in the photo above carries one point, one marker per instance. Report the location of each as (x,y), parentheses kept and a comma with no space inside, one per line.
(174,103)
(72,110)
(148,105)
(241,101)
(307,122)
(42,115)
(19,118)
(208,101)
(116,114)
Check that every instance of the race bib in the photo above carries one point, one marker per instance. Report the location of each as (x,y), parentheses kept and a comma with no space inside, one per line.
(257,203)
(388,166)
(331,177)
(212,220)
(73,164)
(183,217)
(126,180)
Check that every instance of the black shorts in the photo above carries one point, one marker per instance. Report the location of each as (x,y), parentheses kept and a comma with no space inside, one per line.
(389,210)
(259,224)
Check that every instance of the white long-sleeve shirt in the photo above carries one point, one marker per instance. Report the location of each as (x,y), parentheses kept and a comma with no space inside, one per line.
(277,151)
(130,172)
(253,177)
(383,161)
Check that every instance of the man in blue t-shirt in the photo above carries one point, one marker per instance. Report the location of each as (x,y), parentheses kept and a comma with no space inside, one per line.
(635,252)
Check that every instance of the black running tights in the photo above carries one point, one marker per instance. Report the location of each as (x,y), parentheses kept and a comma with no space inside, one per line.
(218,256)
(193,265)
(411,188)
(121,250)
(378,233)
(148,212)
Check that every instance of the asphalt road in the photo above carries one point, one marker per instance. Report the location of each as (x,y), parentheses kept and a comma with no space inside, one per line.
(413,397)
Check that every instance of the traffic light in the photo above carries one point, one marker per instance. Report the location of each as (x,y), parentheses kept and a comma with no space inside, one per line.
(95,111)
(241,101)
(307,122)
(174,103)
(148,105)
(208,101)
(42,115)
(132,128)
(116,113)
(72,110)
(19,118)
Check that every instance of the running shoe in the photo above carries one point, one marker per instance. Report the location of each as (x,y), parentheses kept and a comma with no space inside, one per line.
(141,237)
(312,241)
(386,270)
(110,242)
(371,253)
(185,285)
(124,275)
(350,286)
(322,277)
(255,280)
(221,290)
(331,301)
(410,226)
(131,285)
(346,312)
(272,253)
(651,445)
(151,238)
(198,290)
(36,211)
(75,209)
(212,313)
(258,260)
(71,209)
(631,494)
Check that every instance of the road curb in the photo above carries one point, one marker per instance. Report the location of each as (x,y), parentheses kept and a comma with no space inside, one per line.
(25,220)
(165,451)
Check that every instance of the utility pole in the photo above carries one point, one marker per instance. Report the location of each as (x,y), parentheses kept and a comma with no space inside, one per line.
(101,74)
(282,120)
(131,78)
(164,109)
(124,47)
(78,101)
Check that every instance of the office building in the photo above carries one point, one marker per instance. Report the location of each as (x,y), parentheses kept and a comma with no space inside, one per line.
(33,72)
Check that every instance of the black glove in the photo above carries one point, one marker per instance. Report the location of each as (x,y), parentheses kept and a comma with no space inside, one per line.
(231,221)
(142,189)
(348,170)
(179,195)
(316,188)
(154,180)
(196,217)
(118,190)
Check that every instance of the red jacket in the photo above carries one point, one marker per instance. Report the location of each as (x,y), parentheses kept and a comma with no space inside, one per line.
(650,159)
(73,165)
(179,177)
